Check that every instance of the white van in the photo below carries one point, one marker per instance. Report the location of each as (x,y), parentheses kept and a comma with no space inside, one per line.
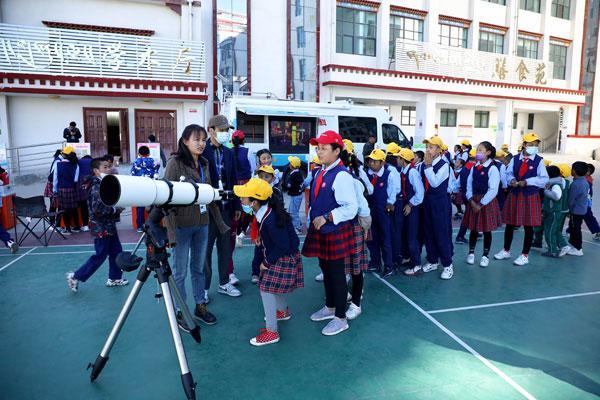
(285,127)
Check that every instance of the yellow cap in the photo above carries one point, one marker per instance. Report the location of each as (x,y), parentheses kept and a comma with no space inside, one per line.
(530,137)
(547,162)
(500,153)
(472,152)
(435,140)
(267,168)
(565,170)
(255,188)
(68,150)
(294,161)
(505,147)
(349,145)
(377,155)
(405,154)
(392,148)
(316,160)
(444,147)
(465,142)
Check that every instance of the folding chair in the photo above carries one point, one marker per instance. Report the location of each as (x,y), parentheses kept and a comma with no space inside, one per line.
(30,212)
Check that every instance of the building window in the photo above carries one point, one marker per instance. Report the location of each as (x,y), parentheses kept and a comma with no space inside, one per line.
(357,129)
(408,115)
(491,42)
(455,36)
(253,127)
(530,120)
(298,8)
(404,28)
(501,2)
(302,69)
(356,31)
(515,117)
(561,8)
(530,5)
(448,117)
(558,55)
(301,37)
(482,119)
(527,48)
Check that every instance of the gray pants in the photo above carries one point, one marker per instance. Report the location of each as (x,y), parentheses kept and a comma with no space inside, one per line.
(272,303)
(223,250)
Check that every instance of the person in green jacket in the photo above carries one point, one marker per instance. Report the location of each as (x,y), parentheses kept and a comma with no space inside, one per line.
(555,197)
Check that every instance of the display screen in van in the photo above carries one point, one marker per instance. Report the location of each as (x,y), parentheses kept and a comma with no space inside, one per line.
(291,134)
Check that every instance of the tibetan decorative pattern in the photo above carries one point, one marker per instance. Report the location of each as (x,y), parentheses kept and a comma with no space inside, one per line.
(67,52)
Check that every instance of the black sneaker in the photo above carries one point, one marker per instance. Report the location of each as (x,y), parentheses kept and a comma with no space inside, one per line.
(373,268)
(201,313)
(388,271)
(181,322)
(537,245)
(461,240)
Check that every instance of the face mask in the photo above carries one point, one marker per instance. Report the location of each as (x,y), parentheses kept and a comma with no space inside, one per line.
(247,208)
(531,150)
(102,175)
(478,156)
(222,137)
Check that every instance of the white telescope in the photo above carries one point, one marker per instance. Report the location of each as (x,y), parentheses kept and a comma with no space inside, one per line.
(136,191)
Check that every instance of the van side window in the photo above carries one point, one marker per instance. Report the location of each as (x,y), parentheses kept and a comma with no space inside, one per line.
(391,133)
(253,127)
(357,129)
(291,134)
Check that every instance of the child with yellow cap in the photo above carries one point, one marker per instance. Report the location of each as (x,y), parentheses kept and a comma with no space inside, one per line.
(294,186)
(64,186)
(281,269)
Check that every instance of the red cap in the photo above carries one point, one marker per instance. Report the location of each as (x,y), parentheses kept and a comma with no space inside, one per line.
(328,137)
(238,134)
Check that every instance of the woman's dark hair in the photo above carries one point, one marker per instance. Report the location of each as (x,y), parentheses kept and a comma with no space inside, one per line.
(591,169)
(420,154)
(353,164)
(72,157)
(263,151)
(489,147)
(553,171)
(57,153)
(457,147)
(580,168)
(109,157)
(344,155)
(282,217)
(183,153)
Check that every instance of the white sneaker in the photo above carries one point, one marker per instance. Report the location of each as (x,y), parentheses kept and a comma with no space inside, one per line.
(574,252)
(413,271)
(335,326)
(596,236)
(238,242)
(117,282)
(564,251)
(348,297)
(323,314)
(206,298)
(229,290)
(71,282)
(484,262)
(233,279)
(254,279)
(471,259)
(85,228)
(521,260)
(430,267)
(319,278)
(12,246)
(447,273)
(502,255)
(353,311)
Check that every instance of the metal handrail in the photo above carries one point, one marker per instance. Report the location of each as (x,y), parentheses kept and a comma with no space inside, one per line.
(16,158)
(35,145)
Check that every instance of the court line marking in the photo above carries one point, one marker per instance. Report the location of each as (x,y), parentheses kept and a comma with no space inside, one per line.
(507,303)
(458,340)
(16,259)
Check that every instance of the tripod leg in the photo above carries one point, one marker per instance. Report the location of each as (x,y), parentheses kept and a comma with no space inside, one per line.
(187,315)
(102,358)
(186,376)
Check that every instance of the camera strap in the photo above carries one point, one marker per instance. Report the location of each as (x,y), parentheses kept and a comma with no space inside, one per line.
(170,185)
(197,193)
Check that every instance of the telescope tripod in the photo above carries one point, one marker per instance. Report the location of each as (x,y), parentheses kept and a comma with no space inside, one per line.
(157,263)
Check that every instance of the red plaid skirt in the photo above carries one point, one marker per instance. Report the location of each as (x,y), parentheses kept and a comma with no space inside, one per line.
(458,199)
(487,219)
(283,277)
(521,210)
(358,262)
(48,190)
(67,198)
(329,246)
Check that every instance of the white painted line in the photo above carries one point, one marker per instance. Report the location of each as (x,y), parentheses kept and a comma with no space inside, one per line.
(17,259)
(594,243)
(507,303)
(458,340)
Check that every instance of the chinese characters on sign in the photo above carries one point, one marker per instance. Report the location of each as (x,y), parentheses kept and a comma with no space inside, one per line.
(71,52)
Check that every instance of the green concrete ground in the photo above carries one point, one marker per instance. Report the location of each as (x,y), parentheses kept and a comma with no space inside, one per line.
(548,349)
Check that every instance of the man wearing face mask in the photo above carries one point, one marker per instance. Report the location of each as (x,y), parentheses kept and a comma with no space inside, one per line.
(526,175)
(223,175)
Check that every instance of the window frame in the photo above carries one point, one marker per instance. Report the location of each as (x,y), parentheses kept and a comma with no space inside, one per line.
(499,2)
(412,115)
(559,70)
(515,119)
(402,31)
(527,49)
(448,112)
(356,39)
(530,120)
(491,35)
(531,5)
(449,39)
(480,116)
(561,9)
(251,135)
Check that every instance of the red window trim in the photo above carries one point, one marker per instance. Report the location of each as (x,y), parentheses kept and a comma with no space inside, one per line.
(367,3)
(492,26)
(99,28)
(449,18)
(561,40)
(537,35)
(414,11)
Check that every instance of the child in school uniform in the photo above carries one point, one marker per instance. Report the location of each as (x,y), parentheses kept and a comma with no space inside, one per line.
(552,212)
(500,155)
(466,148)
(437,230)
(357,264)
(265,157)
(385,181)
(143,166)
(245,164)
(85,176)
(329,237)
(294,186)
(104,230)
(565,173)
(483,212)
(578,203)
(526,174)
(461,173)
(397,217)
(457,152)
(590,220)
(65,178)
(281,267)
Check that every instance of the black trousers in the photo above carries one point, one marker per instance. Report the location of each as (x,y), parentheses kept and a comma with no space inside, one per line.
(334,281)
(575,238)
(223,241)
(358,282)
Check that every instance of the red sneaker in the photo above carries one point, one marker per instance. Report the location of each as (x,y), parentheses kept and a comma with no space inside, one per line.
(283,315)
(265,337)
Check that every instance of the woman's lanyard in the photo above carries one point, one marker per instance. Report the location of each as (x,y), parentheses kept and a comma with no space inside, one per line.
(201,172)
